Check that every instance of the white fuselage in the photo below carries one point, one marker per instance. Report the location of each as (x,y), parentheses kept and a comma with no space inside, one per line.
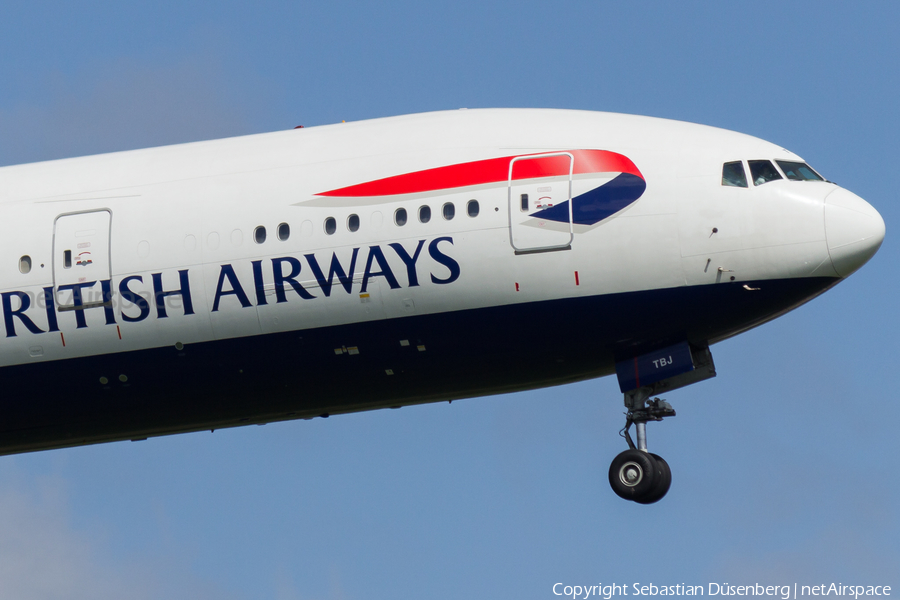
(192,245)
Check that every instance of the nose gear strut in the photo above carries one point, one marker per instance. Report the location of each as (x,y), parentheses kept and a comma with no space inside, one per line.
(636,474)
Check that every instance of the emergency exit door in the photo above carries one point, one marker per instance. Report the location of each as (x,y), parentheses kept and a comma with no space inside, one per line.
(81,255)
(537,184)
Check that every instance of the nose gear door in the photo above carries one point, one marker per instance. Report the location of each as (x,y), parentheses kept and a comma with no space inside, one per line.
(537,183)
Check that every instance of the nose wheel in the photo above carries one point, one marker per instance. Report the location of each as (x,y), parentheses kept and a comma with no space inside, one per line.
(636,474)
(640,476)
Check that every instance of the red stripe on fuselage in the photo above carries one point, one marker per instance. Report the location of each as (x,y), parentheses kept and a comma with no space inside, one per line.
(492,170)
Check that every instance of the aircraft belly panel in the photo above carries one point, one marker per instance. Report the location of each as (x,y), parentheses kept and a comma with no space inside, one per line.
(361,366)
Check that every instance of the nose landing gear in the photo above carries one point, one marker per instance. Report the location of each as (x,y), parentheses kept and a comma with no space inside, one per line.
(636,474)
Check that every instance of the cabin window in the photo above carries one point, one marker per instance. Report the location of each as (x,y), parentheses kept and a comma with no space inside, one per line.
(284,232)
(353,222)
(67,259)
(449,211)
(424,214)
(523,199)
(798,171)
(25,265)
(259,235)
(330,225)
(472,208)
(763,171)
(400,217)
(733,174)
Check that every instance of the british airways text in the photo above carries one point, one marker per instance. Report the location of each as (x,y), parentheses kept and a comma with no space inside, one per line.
(290,278)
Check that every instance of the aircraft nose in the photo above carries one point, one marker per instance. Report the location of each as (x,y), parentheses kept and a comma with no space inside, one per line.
(853,230)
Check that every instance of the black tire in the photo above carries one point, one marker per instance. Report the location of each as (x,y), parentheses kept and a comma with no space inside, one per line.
(633,474)
(663,481)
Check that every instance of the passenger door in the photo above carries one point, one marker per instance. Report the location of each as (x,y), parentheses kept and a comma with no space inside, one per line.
(535,184)
(81,255)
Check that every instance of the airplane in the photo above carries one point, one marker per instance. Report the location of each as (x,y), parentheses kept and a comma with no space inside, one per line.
(399,261)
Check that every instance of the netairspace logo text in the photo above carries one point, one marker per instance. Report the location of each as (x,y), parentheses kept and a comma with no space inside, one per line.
(783,592)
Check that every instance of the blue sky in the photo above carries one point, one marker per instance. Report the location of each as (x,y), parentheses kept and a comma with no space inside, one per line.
(785,466)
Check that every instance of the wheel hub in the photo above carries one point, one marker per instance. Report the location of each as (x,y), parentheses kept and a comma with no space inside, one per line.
(631,474)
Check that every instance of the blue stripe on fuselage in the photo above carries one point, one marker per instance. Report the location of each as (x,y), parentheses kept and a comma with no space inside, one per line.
(599,203)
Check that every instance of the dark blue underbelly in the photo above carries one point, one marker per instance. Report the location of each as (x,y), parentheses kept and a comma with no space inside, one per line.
(299,375)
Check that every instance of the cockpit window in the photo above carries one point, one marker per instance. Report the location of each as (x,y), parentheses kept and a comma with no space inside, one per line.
(798,171)
(733,174)
(763,171)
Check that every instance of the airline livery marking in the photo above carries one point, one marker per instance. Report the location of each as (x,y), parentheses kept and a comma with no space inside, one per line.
(22,306)
(587,209)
